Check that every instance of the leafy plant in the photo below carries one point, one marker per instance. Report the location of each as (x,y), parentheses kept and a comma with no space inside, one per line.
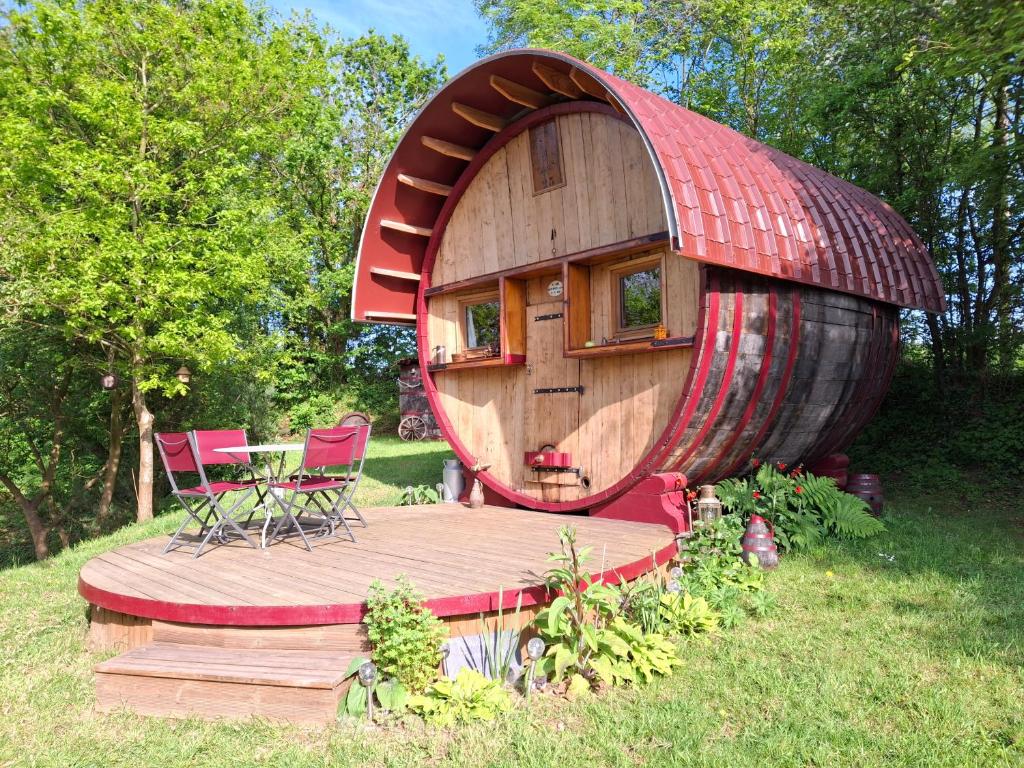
(420,494)
(500,640)
(802,508)
(391,695)
(585,629)
(684,614)
(470,696)
(405,635)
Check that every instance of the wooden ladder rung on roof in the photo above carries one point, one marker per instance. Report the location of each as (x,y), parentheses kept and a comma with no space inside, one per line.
(400,274)
(478,117)
(401,226)
(425,185)
(519,94)
(447,148)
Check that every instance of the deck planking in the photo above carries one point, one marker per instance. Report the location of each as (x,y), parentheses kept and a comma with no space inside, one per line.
(459,558)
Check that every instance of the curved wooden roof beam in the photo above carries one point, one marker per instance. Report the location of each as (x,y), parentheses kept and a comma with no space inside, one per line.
(425,185)
(447,148)
(556,81)
(479,118)
(519,94)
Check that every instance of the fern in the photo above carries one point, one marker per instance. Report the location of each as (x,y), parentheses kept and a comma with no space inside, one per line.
(733,493)
(848,516)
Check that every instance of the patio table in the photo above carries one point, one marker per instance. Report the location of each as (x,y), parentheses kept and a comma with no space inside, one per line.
(239,452)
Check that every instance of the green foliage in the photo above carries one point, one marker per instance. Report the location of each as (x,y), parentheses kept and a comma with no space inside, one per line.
(586,631)
(316,412)
(406,637)
(802,508)
(419,494)
(501,639)
(390,694)
(470,696)
(684,614)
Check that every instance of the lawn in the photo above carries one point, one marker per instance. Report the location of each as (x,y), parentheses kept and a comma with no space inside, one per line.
(906,649)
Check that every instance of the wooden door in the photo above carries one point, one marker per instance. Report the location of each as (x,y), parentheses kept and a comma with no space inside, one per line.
(552,417)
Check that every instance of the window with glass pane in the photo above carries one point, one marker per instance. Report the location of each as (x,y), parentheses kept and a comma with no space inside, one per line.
(640,298)
(482,325)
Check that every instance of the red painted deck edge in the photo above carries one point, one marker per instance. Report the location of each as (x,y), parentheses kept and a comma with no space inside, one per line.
(341,613)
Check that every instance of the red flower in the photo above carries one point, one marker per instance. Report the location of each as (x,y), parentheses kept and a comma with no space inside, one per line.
(757,494)
(799,489)
(756,463)
(782,467)
(691,495)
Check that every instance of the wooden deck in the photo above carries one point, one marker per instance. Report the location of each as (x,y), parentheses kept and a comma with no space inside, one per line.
(459,558)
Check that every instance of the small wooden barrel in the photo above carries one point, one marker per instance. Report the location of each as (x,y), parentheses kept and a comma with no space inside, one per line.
(834,465)
(869,488)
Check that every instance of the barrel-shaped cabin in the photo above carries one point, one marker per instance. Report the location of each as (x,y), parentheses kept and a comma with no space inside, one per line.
(609,289)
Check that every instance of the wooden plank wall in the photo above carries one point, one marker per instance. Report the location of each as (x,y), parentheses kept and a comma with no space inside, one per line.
(611,195)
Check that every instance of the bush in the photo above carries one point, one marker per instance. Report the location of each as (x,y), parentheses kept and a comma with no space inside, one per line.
(406,637)
(802,508)
(470,696)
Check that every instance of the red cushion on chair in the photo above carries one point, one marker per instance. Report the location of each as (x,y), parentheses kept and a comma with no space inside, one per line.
(221,486)
(311,484)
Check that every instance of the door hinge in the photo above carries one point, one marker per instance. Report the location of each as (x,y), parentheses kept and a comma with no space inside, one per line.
(556,390)
(552,316)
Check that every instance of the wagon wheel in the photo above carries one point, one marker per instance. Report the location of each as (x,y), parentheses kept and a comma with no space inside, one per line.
(412,428)
(354,419)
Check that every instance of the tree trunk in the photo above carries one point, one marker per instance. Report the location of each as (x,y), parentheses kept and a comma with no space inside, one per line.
(113,456)
(37,529)
(144,420)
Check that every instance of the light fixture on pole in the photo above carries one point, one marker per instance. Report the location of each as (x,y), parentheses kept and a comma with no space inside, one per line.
(534,650)
(183,374)
(367,675)
(109,381)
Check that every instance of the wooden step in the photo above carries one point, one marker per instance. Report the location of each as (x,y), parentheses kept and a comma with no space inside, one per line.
(178,680)
(348,639)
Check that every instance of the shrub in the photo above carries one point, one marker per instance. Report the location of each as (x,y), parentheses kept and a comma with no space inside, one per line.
(419,494)
(406,637)
(586,631)
(470,696)
(802,508)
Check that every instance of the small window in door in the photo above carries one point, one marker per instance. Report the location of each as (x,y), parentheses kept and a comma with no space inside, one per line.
(638,294)
(483,325)
(546,157)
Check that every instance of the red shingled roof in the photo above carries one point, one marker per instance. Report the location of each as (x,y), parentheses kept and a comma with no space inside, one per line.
(729,200)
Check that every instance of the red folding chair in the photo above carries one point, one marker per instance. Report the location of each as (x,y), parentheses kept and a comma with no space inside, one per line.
(327,496)
(350,475)
(202,502)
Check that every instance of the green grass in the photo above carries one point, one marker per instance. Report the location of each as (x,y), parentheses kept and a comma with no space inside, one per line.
(910,653)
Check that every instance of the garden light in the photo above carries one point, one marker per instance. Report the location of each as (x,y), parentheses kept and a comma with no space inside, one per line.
(184,375)
(676,573)
(709,508)
(535,648)
(367,675)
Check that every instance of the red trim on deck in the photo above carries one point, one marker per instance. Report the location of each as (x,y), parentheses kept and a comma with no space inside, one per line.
(342,613)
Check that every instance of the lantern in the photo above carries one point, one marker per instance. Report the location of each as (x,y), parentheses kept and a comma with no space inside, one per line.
(709,508)
(109,381)
(184,375)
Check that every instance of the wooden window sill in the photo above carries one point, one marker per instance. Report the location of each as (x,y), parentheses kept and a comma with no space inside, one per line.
(631,347)
(498,361)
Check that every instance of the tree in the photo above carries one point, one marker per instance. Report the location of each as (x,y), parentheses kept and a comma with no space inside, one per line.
(137,198)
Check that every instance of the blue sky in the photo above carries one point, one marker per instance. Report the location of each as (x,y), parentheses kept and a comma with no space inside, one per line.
(450,27)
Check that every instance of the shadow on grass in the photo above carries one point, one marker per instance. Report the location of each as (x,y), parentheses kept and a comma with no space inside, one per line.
(954,573)
(399,469)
